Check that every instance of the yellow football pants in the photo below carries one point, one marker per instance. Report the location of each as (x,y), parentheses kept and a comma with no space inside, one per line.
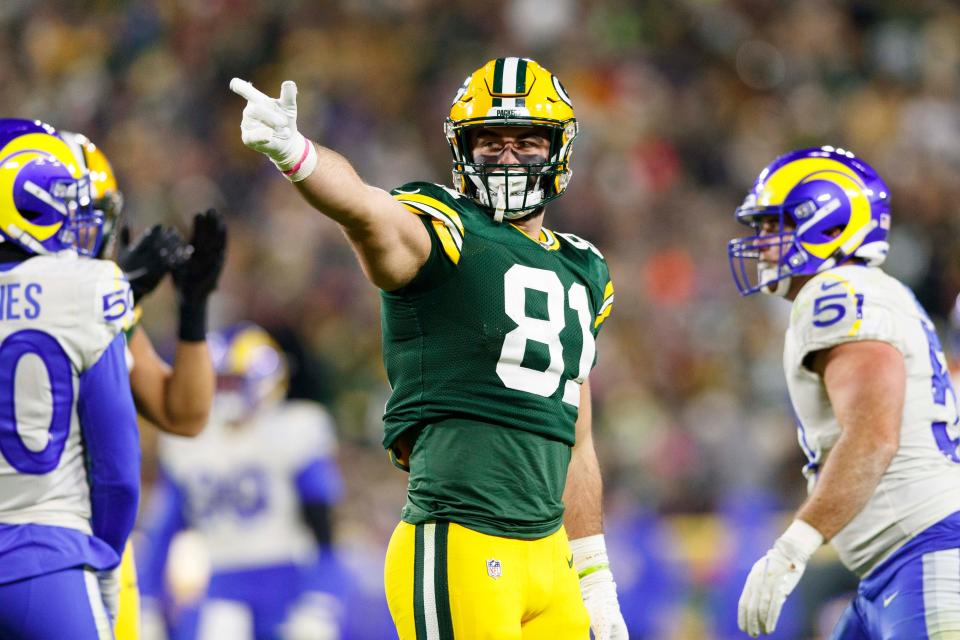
(444,581)
(127,626)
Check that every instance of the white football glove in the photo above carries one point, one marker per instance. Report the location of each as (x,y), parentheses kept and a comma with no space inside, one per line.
(598,588)
(774,576)
(269,125)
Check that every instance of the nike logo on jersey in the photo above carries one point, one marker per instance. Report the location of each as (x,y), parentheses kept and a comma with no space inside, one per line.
(826,286)
(889,598)
(570,562)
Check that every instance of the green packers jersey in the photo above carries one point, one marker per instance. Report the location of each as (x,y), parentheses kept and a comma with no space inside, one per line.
(496,330)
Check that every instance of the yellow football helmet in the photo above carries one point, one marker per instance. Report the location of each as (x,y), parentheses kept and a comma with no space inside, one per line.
(511,92)
(107,197)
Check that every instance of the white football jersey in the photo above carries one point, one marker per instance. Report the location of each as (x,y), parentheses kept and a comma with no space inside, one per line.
(922,484)
(239,483)
(57,316)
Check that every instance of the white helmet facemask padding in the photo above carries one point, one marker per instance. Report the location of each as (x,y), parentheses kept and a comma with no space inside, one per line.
(510,196)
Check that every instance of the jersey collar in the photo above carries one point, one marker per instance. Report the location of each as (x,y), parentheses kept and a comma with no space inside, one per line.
(547,239)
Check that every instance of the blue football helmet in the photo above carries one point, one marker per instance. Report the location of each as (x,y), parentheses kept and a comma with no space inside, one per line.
(45,198)
(251,370)
(823,206)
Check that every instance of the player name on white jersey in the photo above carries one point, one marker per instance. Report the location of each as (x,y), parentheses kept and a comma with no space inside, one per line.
(57,316)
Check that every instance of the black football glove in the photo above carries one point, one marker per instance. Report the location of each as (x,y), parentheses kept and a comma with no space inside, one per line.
(196,277)
(145,262)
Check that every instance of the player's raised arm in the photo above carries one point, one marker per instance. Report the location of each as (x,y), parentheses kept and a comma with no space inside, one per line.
(391,243)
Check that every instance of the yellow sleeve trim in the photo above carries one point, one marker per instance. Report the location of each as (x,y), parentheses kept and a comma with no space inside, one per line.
(607,305)
(446,222)
(446,240)
(433,203)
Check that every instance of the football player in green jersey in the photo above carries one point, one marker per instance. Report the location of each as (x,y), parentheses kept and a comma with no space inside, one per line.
(489,321)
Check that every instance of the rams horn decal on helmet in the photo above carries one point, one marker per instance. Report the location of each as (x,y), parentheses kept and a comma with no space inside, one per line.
(827,205)
(45,200)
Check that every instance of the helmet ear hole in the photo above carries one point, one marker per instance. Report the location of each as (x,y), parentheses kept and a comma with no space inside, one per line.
(833,232)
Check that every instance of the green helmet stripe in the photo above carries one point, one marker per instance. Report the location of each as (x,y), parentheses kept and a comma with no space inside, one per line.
(521,80)
(498,81)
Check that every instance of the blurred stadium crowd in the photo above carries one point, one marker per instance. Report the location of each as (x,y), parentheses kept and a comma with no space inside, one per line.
(680,104)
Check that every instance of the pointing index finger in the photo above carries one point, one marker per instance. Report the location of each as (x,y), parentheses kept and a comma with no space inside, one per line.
(246,90)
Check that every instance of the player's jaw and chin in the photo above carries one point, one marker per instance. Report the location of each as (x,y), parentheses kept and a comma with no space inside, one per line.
(773,276)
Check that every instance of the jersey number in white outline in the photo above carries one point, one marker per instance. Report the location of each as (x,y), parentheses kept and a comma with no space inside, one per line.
(516,281)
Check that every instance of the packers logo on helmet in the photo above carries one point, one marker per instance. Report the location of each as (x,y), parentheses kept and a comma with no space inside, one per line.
(107,197)
(511,92)
(45,200)
(827,206)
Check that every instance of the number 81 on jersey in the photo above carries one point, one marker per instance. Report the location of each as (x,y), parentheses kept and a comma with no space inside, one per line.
(516,281)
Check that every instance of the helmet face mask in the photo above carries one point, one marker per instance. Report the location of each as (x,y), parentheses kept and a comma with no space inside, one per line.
(773,237)
(822,207)
(522,185)
(516,93)
(106,195)
(84,226)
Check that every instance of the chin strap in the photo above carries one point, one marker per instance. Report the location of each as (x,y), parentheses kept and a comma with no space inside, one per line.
(501,205)
(780,288)
(772,287)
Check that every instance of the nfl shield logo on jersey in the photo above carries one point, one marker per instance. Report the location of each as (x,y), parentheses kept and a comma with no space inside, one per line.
(493,568)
